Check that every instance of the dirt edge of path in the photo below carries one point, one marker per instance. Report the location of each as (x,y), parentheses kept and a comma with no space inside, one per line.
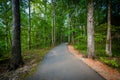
(107,72)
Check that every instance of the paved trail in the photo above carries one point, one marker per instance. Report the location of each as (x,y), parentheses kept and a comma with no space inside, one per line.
(60,64)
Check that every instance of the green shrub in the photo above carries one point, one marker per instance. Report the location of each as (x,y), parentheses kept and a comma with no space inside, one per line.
(110,62)
(82,44)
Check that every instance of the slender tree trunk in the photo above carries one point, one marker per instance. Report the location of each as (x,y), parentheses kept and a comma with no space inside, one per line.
(16,59)
(69,22)
(72,27)
(6,29)
(6,36)
(45,1)
(53,24)
(90,29)
(10,38)
(29,28)
(108,41)
(84,30)
(69,28)
(69,35)
(69,25)
(61,37)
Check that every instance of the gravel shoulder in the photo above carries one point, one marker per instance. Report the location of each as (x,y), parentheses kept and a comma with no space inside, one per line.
(104,70)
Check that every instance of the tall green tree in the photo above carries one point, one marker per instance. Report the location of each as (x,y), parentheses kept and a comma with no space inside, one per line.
(90,29)
(108,41)
(16,58)
(29,26)
(53,22)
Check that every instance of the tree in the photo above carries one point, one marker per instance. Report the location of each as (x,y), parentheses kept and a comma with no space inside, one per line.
(53,23)
(45,16)
(16,59)
(90,29)
(29,30)
(108,41)
(69,27)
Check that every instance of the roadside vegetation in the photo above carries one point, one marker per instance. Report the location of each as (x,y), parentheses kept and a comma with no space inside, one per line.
(31,59)
(100,40)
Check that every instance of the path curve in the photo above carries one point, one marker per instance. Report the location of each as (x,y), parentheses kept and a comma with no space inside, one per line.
(60,64)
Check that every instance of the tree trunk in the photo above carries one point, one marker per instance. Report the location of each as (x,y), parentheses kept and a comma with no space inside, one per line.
(6,36)
(108,41)
(45,16)
(72,27)
(69,36)
(6,28)
(61,35)
(90,29)
(10,38)
(29,29)
(16,59)
(84,30)
(53,24)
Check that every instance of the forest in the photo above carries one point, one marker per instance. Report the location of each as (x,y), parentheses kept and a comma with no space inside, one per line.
(91,26)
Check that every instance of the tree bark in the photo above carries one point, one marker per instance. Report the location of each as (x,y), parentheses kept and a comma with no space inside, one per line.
(61,35)
(90,30)
(53,24)
(29,27)
(45,16)
(16,59)
(69,36)
(6,34)
(109,40)
(73,32)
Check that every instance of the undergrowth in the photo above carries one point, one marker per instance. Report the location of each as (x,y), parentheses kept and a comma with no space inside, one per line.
(31,58)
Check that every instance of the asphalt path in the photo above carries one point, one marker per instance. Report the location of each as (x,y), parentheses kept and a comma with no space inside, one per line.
(60,64)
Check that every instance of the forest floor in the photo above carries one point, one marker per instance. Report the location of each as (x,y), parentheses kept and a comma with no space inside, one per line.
(31,59)
(107,72)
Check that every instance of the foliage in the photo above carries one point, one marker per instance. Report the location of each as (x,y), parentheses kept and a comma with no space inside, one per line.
(100,40)
(70,25)
(32,58)
(110,62)
(82,44)
(2,47)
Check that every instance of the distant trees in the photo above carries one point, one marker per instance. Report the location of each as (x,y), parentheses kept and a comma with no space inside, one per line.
(90,29)
(5,18)
(16,59)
